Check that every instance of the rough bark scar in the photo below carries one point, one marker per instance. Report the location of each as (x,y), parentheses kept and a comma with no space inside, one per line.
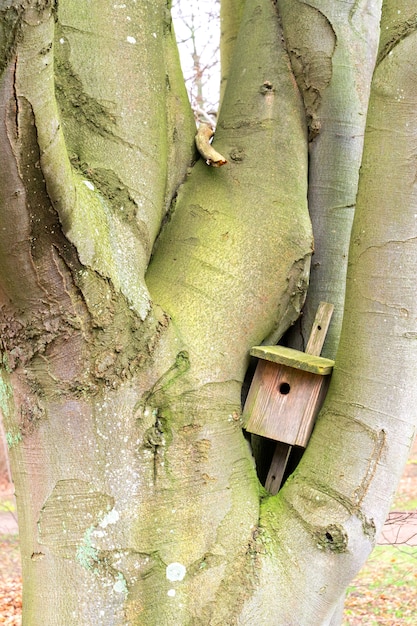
(155,396)
(209,154)
(153,403)
(154,439)
(62,269)
(403,30)
(312,66)
(333,537)
(373,461)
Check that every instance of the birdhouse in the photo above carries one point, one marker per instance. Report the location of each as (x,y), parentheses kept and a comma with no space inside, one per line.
(287,392)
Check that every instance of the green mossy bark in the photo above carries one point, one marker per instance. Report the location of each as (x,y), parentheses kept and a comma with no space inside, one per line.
(238,242)
(82,199)
(138,498)
(230,267)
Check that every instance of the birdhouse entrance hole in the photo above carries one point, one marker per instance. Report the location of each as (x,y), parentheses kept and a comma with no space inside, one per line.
(284,388)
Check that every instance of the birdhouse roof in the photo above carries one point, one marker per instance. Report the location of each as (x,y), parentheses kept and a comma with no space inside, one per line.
(294,358)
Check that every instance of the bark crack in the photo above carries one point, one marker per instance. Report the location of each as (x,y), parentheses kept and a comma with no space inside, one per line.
(400,32)
(154,438)
(15,96)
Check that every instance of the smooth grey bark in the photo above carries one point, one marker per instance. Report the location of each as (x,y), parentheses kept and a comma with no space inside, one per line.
(339,496)
(120,383)
(333,47)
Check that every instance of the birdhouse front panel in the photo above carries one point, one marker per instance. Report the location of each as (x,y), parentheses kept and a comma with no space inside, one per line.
(283,402)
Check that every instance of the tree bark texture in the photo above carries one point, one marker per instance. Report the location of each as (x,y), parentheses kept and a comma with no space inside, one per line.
(372,393)
(134,281)
(333,47)
(230,19)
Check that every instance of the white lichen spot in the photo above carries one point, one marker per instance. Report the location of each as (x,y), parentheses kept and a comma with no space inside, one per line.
(130,39)
(154,35)
(89,184)
(175,571)
(111,518)
(171,593)
(120,584)
(87,554)
(62,40)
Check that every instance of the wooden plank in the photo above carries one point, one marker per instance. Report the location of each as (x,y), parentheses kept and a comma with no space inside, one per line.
(310,410)
(320,327)
(277,469)
(294,358)
(282,403)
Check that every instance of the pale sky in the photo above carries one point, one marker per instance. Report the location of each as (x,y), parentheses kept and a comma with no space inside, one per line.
(197,28)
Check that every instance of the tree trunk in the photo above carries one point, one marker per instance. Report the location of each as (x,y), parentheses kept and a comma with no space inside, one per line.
(336,502)
(132,289)
(333,47)
(230,19)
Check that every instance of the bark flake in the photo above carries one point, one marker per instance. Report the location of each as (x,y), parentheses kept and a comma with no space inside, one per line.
(73,508)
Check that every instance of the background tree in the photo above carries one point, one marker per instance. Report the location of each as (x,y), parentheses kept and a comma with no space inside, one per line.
(198,35)
(134,282)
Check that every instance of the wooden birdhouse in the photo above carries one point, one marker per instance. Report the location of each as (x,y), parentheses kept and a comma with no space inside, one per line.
(286,394)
